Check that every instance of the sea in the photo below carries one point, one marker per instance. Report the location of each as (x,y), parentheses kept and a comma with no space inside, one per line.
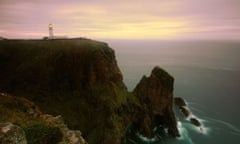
(207,76)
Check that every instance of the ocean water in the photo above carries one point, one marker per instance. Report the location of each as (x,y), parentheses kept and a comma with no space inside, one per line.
(207,76)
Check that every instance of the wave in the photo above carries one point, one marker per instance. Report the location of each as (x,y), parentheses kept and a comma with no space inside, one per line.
(212,122)
(231,127)
(209,132)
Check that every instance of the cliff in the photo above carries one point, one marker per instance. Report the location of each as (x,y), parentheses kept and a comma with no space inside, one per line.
(80,80)
(76,78)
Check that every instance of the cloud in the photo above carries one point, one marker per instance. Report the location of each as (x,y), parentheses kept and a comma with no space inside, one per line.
(111,18)
(97,20)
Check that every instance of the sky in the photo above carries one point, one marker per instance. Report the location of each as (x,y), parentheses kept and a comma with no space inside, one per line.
(121,19)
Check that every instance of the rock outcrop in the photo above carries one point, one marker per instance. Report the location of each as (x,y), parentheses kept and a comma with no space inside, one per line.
(69,136)
(156,98)
(195,122)
(184,109)
(12,134)
(180,102)
(31,125)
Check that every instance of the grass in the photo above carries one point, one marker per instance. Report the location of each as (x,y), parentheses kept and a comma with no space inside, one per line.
(43,134)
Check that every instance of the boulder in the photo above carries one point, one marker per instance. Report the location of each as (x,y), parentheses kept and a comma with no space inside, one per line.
(185,111)
(11,134)
(69,136)
(180,102)
(75,137)
(195,122)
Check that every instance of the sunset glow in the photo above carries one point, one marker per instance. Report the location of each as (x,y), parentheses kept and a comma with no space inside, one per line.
(135,19)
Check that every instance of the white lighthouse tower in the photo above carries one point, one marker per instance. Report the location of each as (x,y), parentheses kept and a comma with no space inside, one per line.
(50,26)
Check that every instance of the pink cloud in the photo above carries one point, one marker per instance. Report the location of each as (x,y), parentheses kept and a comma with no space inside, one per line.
(212,18)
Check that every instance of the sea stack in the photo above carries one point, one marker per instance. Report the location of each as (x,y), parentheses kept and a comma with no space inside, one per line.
(156,97)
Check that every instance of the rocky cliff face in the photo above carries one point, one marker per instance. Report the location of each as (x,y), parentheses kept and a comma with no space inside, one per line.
(156,97)
(80,80)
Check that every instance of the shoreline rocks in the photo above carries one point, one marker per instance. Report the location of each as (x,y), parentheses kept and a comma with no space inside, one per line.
(184,111)
(182,107)
(195,122)
(180,102)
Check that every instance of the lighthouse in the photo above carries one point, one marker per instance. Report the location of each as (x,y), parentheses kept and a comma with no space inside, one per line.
(50,27)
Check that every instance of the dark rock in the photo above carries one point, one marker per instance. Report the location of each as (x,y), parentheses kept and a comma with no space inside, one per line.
(195,121)
(180,102)
(156,98)
(11,134)
(75,137)
(184,111)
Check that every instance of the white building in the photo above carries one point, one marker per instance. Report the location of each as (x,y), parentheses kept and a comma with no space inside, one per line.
(50,27)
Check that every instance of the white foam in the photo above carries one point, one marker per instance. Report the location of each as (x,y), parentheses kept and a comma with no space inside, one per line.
(184,134)
(145,139)
(180,128)
(202,129)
